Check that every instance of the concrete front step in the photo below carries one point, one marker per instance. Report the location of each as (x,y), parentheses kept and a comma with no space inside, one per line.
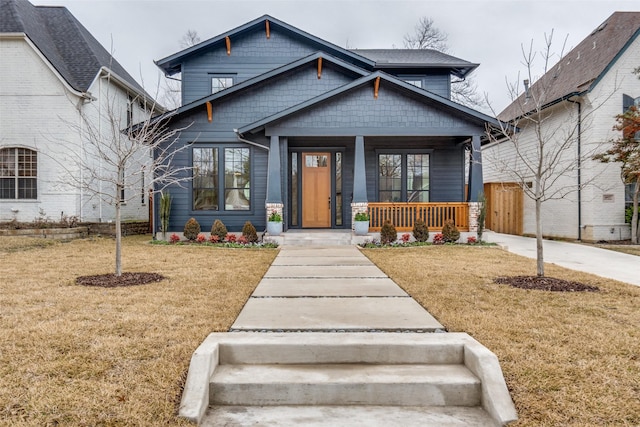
(344,384)
(347,416)
(391,369)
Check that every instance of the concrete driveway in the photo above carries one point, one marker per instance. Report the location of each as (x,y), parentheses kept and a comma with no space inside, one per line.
(601,262)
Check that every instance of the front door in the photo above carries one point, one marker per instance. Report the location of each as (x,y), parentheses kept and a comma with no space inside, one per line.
(316,190)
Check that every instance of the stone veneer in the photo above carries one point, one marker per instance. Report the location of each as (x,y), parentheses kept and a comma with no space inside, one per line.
(358,208)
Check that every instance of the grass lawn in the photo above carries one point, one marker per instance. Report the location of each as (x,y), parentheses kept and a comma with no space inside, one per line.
(627,249)
(569,359)
(73,355)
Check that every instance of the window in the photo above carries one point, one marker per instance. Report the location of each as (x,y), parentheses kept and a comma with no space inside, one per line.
(18,173)
(403,177)
(234,172)
(415,82)
(205,179)
(219,83)
(237,183)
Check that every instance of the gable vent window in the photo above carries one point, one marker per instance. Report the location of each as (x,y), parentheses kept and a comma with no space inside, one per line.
(219,83)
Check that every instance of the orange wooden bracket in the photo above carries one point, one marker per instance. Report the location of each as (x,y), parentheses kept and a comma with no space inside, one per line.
(209,112)
(319,67)
(228,41)
(376,86)
(268,31)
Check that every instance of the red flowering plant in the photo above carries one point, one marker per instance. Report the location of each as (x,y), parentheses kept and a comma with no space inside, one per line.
(406,237)
(438,239)
(174,238)
(242,240)
(231,238)
(214,238)
(471,240)
(200,238)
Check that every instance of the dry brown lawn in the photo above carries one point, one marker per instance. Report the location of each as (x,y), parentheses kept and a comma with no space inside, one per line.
(569,359)
(626,249)
(86,356)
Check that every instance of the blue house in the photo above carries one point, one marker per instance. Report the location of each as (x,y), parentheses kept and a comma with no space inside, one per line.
(281,120)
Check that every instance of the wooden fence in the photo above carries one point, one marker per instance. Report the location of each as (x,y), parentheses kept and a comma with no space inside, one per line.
(505,204)
(403,215)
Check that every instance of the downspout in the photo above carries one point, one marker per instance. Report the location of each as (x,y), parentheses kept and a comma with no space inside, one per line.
(246,141)
(579,167)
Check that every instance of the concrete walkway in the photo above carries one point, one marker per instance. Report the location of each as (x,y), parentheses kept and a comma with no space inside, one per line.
(601,262)
(330,289)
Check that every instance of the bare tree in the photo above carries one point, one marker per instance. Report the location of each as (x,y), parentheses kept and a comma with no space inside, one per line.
(117,160)
(538,146)
(427,36)
(172,93)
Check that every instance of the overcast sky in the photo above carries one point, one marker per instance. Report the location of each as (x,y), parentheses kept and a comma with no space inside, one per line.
(488,32)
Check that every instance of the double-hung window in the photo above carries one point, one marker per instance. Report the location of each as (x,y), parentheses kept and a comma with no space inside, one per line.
(222,179)
(18,173)
(403,177)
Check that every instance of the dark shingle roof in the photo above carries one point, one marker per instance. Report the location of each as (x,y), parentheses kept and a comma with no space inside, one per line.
(420,58)
(63,40)
(581,69)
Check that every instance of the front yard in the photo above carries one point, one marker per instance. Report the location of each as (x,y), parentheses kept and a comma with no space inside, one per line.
(73,355)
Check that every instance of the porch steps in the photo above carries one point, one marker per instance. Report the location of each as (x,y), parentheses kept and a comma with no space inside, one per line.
(317,238)
(402,379)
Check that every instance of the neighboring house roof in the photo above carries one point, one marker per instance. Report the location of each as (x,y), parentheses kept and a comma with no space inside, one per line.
(64,41)
(171,64)
(582,68)
(412,58)
(445,103)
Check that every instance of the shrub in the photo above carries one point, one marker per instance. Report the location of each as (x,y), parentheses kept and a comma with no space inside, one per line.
(420,230)
(275,217)
(214,239)
(249,232)
(471,240)
(218,228)
(450,232)
(231,238)
(388,233)
(201,238)
(438,239)
(361,216)
(174,238)
(406,237)
(191,229)
(242,240)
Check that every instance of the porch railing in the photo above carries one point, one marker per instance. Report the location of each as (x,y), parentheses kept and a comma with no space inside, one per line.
(403,215)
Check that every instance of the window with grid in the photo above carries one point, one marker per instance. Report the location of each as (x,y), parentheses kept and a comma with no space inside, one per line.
(18,173)
(205,179)
(403,177)
(219,83)
(237,179)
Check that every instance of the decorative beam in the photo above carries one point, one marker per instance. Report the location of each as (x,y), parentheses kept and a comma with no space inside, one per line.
(209,112)
(268,31)
(319,68)
(228,41)
(376,86)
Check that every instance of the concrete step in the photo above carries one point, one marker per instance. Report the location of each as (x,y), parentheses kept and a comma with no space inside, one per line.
(317,238)
(347,416)
(344,384)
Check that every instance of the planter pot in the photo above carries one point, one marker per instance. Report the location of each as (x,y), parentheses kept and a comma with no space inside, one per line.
(361,228)
(274,228)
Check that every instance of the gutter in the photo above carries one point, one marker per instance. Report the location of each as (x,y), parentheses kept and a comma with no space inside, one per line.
(246,141)
(579,167)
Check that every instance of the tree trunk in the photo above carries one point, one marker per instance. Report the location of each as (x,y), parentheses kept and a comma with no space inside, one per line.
(539,251)
(118,238)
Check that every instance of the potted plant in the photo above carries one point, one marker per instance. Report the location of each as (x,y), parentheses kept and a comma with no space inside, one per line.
(274,224)
(361,223)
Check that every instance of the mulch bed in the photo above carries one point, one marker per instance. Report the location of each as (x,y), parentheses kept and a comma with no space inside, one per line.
(113,281)
(545,284)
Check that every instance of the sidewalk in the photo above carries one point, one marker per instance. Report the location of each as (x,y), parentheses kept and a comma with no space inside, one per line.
(330,289)
(601,262)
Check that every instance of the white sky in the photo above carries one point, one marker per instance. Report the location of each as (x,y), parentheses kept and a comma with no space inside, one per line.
(489,32)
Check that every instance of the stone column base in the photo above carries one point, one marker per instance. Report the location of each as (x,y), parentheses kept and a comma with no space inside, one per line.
(274,207)
(474,211)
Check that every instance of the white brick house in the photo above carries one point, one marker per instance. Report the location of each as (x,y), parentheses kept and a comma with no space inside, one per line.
(53,73)
(588,86)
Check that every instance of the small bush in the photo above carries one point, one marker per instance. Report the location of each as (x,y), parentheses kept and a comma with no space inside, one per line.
(450,232)
(406,237)
(471,240)
(420,230)
(201,238)
(438,239)
(249,232)
(191,229)
(174,238)
(361,216)
(218,228)
(388,233)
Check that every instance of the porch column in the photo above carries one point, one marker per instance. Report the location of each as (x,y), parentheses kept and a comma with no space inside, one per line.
(359,202)
(274,184)
(475,172)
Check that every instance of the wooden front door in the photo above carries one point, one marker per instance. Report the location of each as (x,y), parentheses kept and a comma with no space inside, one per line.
(316,190)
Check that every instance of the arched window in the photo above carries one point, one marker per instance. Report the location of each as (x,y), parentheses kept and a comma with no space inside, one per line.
(18,173)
